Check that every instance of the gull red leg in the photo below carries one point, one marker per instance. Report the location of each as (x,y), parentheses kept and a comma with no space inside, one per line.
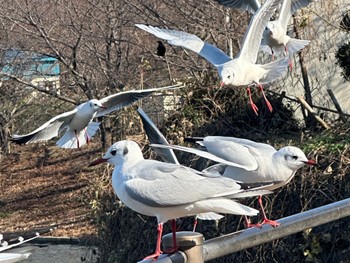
(289,60)
(265,220)
(158,251)
(87,137)
(248,223)
(252,104)
(266,100)
(175,247)
(195,224)
(76,137)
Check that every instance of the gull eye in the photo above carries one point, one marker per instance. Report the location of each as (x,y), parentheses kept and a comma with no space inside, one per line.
(114,152)
(294,157)
(229,76)
(125,151)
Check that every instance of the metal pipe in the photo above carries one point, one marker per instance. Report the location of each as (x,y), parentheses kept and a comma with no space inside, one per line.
(178,257)
(191,243)
(228,244)
(190,246)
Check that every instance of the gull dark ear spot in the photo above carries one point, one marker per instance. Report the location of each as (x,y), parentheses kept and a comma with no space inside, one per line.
(125,152)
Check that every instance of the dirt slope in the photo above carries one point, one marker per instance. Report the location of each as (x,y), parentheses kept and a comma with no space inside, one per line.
(43,185)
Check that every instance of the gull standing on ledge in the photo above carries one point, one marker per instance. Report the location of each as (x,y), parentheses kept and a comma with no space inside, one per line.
(260,162)
(168,191)
(78,125)
(242,70)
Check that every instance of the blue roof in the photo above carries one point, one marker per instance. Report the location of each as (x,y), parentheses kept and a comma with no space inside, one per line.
(29,64)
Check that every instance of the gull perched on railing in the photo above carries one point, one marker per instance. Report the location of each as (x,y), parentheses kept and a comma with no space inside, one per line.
(167,155)
(260,162)
(169,191)
(242,70)
(78,125)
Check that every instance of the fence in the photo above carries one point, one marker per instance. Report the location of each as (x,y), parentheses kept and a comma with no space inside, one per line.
(197,251)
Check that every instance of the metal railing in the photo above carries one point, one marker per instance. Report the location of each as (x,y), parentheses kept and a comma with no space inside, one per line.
(230,243)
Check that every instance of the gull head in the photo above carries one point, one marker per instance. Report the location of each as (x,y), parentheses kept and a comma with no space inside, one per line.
(95,105)
(269,29)
(227,76)
(294,158)
(120,152)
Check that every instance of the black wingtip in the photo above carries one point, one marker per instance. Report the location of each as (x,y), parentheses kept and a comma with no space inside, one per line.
(257,185)
(21,139)
(193,139)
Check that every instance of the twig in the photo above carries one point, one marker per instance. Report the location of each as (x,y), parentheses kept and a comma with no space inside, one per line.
(311,110)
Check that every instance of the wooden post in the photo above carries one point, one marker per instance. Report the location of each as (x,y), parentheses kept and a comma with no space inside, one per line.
(337,105)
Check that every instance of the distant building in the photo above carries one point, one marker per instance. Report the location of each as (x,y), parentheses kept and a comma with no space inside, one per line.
(38,69)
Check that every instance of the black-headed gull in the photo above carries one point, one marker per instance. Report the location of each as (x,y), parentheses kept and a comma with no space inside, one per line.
(168,155)
(168,191)
(242,70)
(78,125)
(261,162)
(275,34)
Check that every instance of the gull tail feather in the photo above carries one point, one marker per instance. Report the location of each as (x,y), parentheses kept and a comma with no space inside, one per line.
(225,206)
(294,45)
(92,128)
(276,69)
(209,216)
(251,193)
(69,140)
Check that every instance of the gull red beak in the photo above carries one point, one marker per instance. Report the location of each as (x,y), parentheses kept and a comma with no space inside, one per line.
(311,162)
(103,107)
(221,84)
(98,161)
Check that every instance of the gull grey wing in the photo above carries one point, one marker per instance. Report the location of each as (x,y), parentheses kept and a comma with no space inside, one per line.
(298,4)
(155,136)
(253,35)
(189,41)
(248,143)
(157,188)
(247,5)
(233,152)
(46,131)
(119,100)
(206,155)
(285,14)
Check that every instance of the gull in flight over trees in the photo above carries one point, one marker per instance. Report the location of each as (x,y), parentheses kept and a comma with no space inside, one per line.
(242,70)
(168,191)
(275,36)
(260,162)
(77,123)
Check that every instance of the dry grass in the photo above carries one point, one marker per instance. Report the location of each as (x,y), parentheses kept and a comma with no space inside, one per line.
(43,185)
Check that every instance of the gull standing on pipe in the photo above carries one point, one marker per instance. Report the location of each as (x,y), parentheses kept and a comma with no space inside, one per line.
(168,191)
(275,36)
(168,155)
(260,162)
(78,125)
(242,70)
